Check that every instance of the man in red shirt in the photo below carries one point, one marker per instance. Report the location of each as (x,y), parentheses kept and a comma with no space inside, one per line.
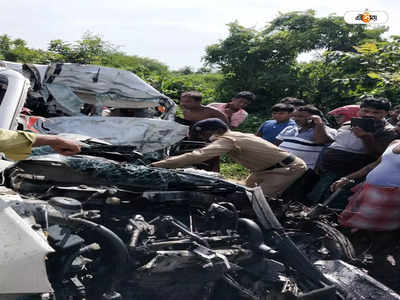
(233,110)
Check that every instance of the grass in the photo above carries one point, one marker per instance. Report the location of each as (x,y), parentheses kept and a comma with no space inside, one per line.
(230,169)
(234,171)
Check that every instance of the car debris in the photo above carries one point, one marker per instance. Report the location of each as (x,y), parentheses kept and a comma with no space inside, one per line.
(147,135)
(60,91)
(62,88)
(131,231)
(105,225)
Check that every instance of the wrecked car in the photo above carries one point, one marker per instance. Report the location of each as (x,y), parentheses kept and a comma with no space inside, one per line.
(56,95)
(126,231)
(104,225)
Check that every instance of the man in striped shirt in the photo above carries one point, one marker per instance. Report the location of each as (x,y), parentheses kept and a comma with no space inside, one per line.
(308,137)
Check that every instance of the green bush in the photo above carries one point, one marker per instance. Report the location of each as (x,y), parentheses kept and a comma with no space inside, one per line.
(175,84)
(252,123)
(233,171)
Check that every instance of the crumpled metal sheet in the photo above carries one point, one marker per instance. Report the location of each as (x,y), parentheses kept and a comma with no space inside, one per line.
(147,135)
(107,172)
(19,67)
(102,85)
(13,99)
(66,100)
(355,282)
(97,85)
(22,251)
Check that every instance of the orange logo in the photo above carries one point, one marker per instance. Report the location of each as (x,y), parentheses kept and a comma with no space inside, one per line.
(366,17)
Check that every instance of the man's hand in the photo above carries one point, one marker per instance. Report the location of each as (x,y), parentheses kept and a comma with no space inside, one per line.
(65,147)
(396,149)
(340,183)
(359,132)
(154,164)
(317,120)
(228,112)
(59,144)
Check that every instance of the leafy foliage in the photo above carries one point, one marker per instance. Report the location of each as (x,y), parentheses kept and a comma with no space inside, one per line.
(265,62)
(354,60)
(174,85)
(92,49)
(344,77)
(234,171)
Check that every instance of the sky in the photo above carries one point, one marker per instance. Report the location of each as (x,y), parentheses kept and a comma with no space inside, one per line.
(175,32)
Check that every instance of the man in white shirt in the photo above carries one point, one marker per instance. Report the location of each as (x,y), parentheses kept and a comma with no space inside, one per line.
(308,137)
(355,147)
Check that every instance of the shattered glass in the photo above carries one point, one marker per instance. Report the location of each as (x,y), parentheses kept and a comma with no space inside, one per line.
(65,99)
(129,175)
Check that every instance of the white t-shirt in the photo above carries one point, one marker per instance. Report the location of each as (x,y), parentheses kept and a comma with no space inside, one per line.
(346,140)
(386,173)
(301,144)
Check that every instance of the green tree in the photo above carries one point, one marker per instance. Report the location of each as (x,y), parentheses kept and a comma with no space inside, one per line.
(186,70)
(5,43)
(344,77)
(62,49)
(18,50)
(175,84)
(92,49)
(265,61)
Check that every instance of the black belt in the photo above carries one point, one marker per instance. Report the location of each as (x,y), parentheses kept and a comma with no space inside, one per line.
(283,163)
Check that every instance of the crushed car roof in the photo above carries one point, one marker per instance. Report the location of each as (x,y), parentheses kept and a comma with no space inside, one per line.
(109,86)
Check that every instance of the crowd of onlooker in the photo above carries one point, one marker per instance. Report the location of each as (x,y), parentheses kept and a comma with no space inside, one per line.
(360,150)
(297,155)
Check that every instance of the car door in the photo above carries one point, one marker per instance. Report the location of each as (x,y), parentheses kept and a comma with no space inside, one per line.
(13,91)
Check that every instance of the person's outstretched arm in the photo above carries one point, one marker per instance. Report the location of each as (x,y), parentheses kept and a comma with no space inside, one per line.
(215,149)
(59,144)
(358,174)
(17,145)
